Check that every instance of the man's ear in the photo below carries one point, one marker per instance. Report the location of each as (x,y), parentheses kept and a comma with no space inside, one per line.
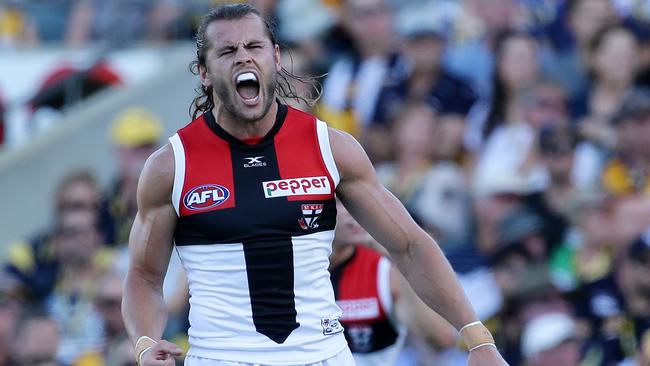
(278,61)
(203,75)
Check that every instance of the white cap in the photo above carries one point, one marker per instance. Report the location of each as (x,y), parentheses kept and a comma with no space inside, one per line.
(545,332)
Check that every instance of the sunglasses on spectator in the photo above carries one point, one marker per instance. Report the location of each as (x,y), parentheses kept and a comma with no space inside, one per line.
(108,302)
(558,151)
(72,232)
(78,205)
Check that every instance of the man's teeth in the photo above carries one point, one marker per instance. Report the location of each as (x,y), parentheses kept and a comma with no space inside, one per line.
(247,76)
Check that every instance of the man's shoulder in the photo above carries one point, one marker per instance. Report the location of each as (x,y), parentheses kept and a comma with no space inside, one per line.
(157,176)
(161,160)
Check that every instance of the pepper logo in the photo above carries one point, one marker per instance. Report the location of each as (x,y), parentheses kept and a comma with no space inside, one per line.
(205,196)
(296,187)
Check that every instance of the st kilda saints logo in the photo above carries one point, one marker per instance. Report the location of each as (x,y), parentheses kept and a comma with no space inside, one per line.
(205,196)
(310,215)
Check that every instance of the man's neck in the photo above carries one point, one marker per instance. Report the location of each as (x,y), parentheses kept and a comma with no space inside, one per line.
(245,130)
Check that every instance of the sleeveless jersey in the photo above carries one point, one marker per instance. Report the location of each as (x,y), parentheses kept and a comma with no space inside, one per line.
(254,233)
(362,289)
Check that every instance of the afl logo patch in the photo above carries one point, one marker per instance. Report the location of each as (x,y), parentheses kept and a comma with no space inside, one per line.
(205,197)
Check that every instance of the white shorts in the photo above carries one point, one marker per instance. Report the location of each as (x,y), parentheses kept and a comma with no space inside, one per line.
(343,358)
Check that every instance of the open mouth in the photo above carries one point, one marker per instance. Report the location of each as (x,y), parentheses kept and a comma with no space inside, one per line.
(248,87)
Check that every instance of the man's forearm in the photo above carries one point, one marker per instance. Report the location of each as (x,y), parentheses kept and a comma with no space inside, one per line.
(429,273)
(143,308)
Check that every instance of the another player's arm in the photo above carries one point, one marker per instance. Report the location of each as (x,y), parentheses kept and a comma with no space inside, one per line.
(414,252)
(150,246)
(417,316)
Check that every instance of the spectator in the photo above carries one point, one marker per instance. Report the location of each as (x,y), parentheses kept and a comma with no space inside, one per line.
(448,140)
(546,105)
(556,148)
(425,79)
(566,61)
(550,340)
(533,295)
(634,280)
(120,22)
(108,302)
(614,55)
(434,191)
(33,263)
(498,196)
(354,82)
(135,134)
(50,18)
(517,251)
(16,27)
(593,240)
(626,175)
(523,228)
(37,341)
(117,349)
(472,56)
(617,307)
(77,244)
(498,134)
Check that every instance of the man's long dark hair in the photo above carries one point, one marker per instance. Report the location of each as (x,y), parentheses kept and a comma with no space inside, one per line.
(204,101)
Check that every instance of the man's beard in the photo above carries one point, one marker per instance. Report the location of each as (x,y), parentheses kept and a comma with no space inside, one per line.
(227,99)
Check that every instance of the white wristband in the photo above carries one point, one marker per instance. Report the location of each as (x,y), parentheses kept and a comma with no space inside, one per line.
(142,345)
(142,354)
(144,338)
(472,324)
(482,345)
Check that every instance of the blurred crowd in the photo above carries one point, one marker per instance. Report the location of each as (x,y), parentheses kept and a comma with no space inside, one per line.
(516,132)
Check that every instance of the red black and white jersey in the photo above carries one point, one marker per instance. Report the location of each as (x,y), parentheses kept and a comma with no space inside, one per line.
(362,290)
(254,233)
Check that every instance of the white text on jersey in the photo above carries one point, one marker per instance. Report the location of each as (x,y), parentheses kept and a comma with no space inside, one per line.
(296,187)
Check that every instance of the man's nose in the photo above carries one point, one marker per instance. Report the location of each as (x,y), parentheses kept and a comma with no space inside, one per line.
(243,56)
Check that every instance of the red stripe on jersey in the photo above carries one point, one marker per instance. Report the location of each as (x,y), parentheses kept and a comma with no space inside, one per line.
(358,292)
(209,183)
(298,152)
(252,140)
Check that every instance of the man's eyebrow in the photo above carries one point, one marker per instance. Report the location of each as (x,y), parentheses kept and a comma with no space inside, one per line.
(226,47)
(253,42)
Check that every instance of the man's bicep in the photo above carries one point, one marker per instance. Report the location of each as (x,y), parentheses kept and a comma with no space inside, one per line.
(369,202)
(151,239)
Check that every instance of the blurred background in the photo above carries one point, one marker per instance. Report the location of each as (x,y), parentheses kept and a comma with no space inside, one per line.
(516,132)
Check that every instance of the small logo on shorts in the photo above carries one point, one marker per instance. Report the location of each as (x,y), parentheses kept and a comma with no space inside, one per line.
(331,325)
(310,215)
